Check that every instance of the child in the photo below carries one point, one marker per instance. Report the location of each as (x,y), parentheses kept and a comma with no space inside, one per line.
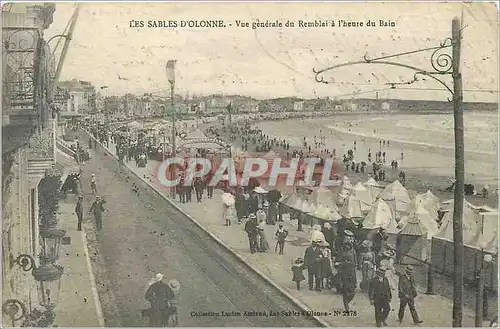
(174,303)
(297,268)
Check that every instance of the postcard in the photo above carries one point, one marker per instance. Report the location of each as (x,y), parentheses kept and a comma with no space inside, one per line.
(250,164)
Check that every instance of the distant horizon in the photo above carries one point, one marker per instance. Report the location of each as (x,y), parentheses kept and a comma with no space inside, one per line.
(305,99)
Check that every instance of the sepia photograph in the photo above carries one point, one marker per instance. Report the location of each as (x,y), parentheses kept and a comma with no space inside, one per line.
(249,164)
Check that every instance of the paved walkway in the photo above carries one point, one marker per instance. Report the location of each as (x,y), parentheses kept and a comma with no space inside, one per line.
(78,304)
(435,310)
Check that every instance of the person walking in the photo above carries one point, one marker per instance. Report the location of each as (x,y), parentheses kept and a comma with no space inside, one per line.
(79,212)
(311,263)
(159,294)
(380,297)
(349,282)
(97,209)
(280,235)
(93,184)
(407,294)
(252,232)
(199,186)
(264,244)
(174,302)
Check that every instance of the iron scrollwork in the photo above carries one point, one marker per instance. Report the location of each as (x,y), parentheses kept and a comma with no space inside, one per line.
(441,62)
(15,309)
(25,261)
(19,49)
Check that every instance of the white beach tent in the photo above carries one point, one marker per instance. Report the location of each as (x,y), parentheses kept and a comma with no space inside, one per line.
(470,225)
(351,208)
(360,192)
(429,201)
(298,204)
(448,205)
(422,216)
(397,192)
(326,213)
(374,189)
(380,215)
(323,196)
(487,238)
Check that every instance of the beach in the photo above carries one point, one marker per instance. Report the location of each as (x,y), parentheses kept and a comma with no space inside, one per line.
(426,141)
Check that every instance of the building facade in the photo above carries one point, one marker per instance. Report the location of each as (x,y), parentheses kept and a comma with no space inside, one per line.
(27,147)
(81,96)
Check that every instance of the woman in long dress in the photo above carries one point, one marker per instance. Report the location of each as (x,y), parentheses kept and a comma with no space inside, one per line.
(387,262)
(264,244)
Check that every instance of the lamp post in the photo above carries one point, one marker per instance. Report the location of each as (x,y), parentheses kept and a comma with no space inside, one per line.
(442,64)
(171,79)
(47,277)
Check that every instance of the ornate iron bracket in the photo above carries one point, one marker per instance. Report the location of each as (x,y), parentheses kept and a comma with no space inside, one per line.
(26,262)
(15,309)
(441,62)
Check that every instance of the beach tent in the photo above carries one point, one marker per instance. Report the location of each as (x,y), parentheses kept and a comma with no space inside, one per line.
(476,244)
(323,196)
(380,215)
(351,208)
(374,189)
(422,216)
(448,205)
(360,192)
(429,201)
(470,225)
(487,238)
(397,192)
(412,245)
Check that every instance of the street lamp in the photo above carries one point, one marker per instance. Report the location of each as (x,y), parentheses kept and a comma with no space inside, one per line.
(442,64)
(48,280)
(51,243)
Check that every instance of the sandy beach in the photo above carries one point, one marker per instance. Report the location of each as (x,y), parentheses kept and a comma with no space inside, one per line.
(426,141)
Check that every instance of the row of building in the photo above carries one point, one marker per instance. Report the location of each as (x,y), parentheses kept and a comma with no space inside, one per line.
(83,98)
(28,156)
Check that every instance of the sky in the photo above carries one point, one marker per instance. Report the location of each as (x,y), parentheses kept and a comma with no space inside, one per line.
(277,62)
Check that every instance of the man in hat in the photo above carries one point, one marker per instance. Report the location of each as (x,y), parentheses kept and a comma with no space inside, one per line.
(252,232)
(159,295)
(311,263)
(407,294)
(174,302)
(380,297)
(97,208)
(280,235)
(79,211)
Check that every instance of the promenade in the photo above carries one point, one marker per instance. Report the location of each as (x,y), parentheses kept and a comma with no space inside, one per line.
(78,304)
(434,310)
